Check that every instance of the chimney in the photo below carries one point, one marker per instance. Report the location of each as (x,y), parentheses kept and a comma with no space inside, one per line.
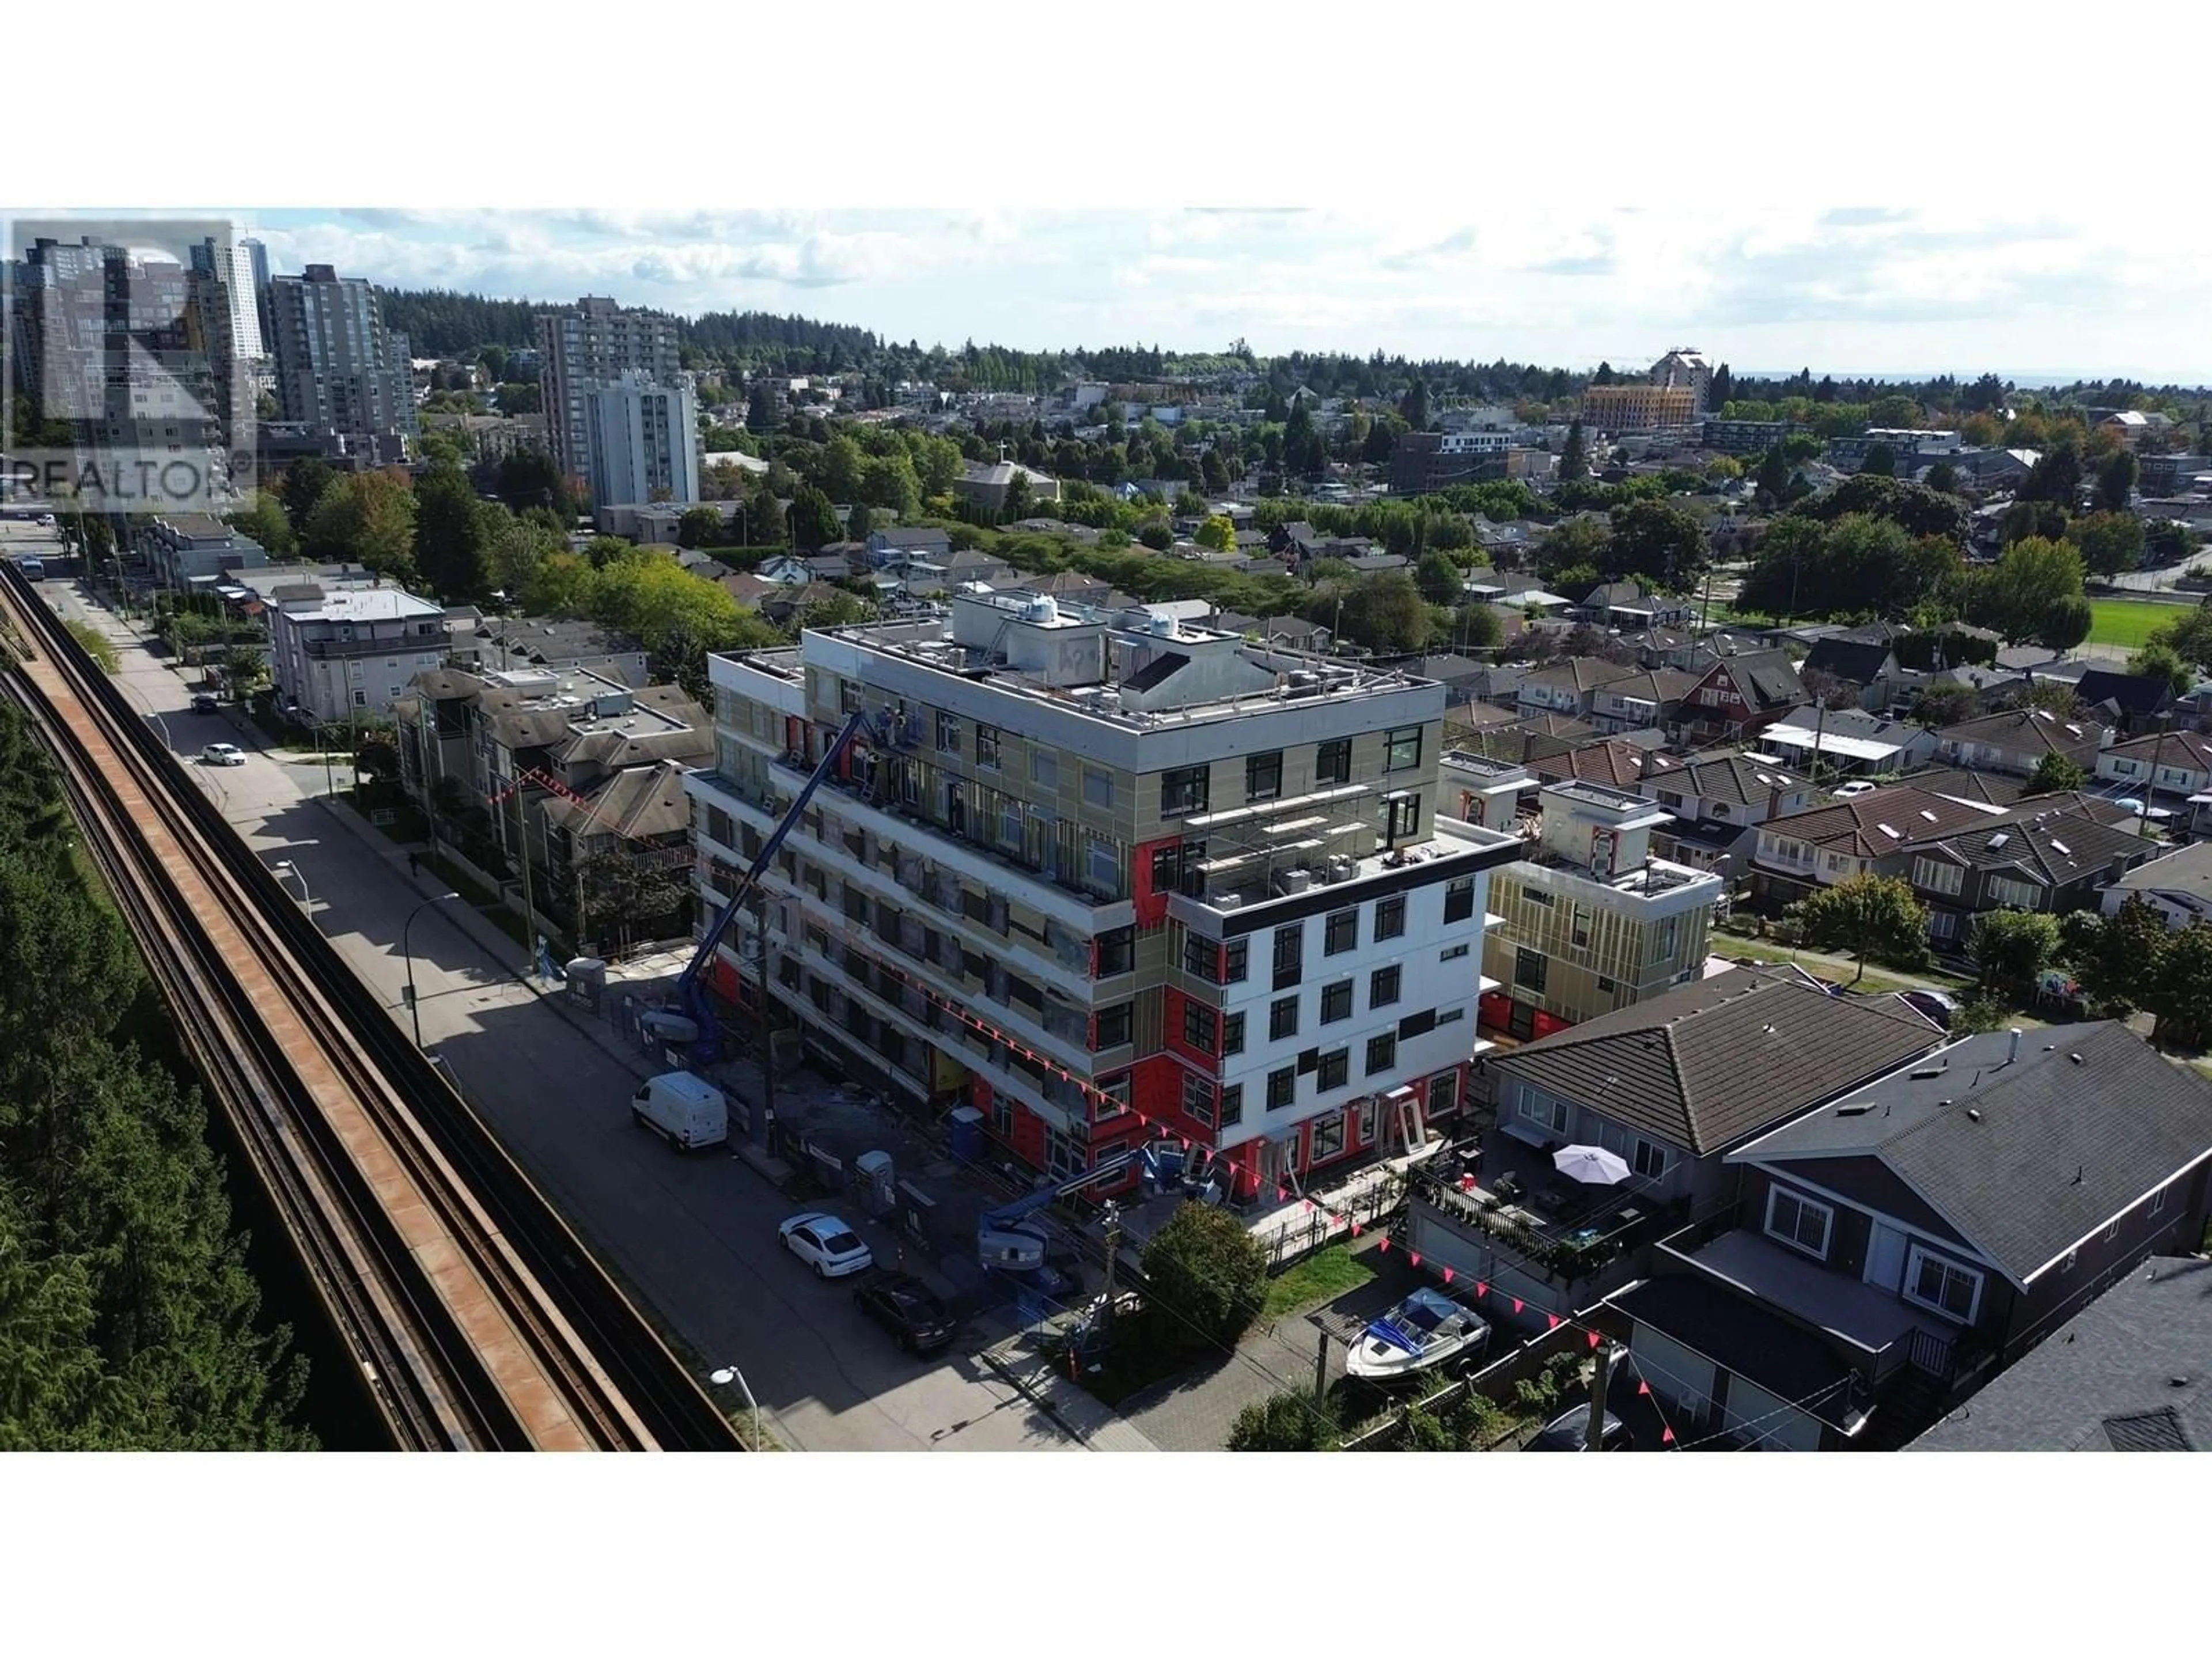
(2012,1048)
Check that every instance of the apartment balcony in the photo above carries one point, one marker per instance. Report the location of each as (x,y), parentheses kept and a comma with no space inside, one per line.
(396,646)
(1294,862)
(1571,1234)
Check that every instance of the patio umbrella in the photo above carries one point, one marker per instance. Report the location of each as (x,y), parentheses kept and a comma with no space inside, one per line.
(1592,1165)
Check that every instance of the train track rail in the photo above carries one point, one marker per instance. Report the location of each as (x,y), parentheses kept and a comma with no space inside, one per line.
(479,1320)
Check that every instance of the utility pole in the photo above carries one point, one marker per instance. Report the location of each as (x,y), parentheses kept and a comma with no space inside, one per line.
(1113,1261)
(529,910)
(1320,1370)
(1593,1435)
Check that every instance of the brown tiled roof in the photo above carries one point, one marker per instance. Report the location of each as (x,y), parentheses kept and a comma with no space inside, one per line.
(1879,822)
(2036,730)
(1708,1064)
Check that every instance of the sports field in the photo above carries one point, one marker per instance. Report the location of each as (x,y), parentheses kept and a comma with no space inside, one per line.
(2129,621)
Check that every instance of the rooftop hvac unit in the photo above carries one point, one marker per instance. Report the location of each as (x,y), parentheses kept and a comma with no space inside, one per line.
(1041,609)
(1341,868)
(1292,881)
(1228,902)
(1164,627)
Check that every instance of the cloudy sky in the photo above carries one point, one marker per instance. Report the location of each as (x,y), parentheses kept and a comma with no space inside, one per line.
(1845,290)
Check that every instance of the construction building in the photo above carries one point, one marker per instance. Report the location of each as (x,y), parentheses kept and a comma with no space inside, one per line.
(1101,876)
(1638,406)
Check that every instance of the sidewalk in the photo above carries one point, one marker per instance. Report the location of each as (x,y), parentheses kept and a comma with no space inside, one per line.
(1098,1426)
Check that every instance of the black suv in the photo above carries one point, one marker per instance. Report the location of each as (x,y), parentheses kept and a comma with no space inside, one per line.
(908,1310)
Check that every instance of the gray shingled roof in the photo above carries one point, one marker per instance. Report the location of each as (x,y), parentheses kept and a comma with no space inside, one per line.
(1707,1063)
(2035,730)
(2057,1149)
(1737,779)
(2050,849)
(2184,878)
(2132,1371)
(1581,673)
(1879,822)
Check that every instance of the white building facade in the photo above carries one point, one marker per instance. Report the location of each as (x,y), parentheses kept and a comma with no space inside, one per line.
(642,440)
(353,649)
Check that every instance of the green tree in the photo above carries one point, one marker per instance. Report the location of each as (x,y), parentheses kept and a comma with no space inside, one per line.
(378,755)
(1440,579)
(304,484)
(1016,505)
(2066,624)
(2111,542)
(514,548)
(366,519)
(1479,628)
(2116,481)
(760,409)
(861,525)
(1659,544)
(2055,773)
(1800,447)
(1156,535)
(2180,993)
(1384,611)
(264,520)
(2010,948)
(701,527)
(1290,1421)
(245,667)
(1574,458)
(1865,916)
(2018,596)
(813,520)
(764,520)
(1577,545)
(1881,461)
(562,585)
(2056,477)
(1219,532)
(1208,1275)
(2158,657)
(97,645)
(528,478)
(2116,957)
(450,538)
(1942,702)
(1415,406)
(1942,478)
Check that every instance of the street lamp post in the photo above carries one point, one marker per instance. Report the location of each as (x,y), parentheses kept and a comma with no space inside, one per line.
(286,867)
(723,1379)
(407,950)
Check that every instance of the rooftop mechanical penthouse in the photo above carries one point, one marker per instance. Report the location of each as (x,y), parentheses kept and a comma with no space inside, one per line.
(1093,872)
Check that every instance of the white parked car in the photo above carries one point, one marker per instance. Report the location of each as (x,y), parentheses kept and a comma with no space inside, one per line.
(1854,789)
(826,1245)
(222,754)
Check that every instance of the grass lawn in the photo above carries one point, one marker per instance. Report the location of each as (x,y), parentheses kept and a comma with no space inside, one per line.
(1730,944)
(2129,621)
(1329,1273)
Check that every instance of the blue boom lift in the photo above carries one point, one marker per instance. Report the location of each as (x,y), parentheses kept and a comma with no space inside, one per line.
(691,994)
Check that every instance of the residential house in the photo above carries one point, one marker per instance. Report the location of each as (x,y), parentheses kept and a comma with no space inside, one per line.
(337,651)
(1592,919)
(1927,1229)
(747,589)
(517,642)
(2163,763)
(1671,1085)
(2127,1373)
(1716,803)
(1739,697)
(1648,701)
(2133,702)
(1298,634)
(891,546)
(1626,605)
(2016,741)
(1459,676)
(1668,647)
(786,570)
(1536,739)
(1821,846)
(1849,742)
(2177,885)
(1568,686)
(1500,683)
(1374,564)
(786,604)
(194,550)
(1614,761)
(1868,666)
(1069,587)
(2029,859)
(986,485)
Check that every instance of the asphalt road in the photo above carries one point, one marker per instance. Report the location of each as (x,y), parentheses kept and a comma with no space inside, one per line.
(695,1236)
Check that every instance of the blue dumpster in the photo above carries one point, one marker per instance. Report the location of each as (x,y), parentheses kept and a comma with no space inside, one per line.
(967,1134)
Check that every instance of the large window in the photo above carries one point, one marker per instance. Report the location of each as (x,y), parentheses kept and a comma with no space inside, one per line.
(1197,1097)
(1528,968)
(1402,749)
(1328,1137)
(1282,1018)
(1183,791)
(1543,1111)
(1200,1026)
(1459,899)
(1333,762)
(1232,1104)
(1799,1222)
(1402,817)
(1201,957)
(987,746)
(1117,951)
(1341,933)
(1113,1026)
(1232,1034)
(1649,1160)
(1235,957)
(1290,954)
(1097,786)
(948,734)
(1263,775)
(1390,917)
(1044,767)
(1944,1286)
(1381,1052)
(1935,876)
(1282,1087)
(1383,987)
(1336,1002)
(1335,1070)
(2015,895)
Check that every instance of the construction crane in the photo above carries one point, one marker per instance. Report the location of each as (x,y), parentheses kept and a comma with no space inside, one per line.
(1008,1242)
(691,994)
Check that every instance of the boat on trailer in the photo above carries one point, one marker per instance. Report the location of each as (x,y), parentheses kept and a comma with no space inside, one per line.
(1420,1333)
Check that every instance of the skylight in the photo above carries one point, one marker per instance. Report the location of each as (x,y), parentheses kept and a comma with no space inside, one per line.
(1999,839)
(2061,849)
(1930,816)
(1893,834)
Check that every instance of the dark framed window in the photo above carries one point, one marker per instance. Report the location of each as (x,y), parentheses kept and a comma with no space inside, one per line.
(1263,775)
(1459,899)
(1336,1002)
(948,734)
(1232,1034)
(1529,970)
(1197,1097)
(1201,957)
(1383,987)
(1236,958)
(1200,1026)
(1333,762)
(1381,1052)
(1390,917)
(1113,1026)
(1282,1087)
(1402,817)
(1232,1104)
(1335,1070)
(1282,1018)
(1117,951)
(1183,791)
(987,746)
(1175,866)
(1401,749)
(1289,955)
(1341,933)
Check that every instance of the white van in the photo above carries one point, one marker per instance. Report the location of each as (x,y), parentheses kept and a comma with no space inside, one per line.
(687,1111)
